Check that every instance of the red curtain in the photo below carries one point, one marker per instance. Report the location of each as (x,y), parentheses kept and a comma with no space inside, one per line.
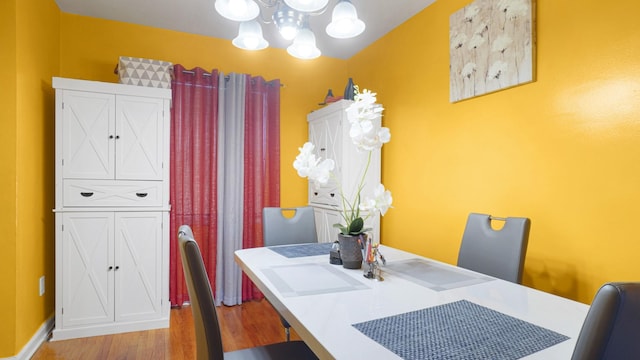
(261,163)
(194,156)
(194,122)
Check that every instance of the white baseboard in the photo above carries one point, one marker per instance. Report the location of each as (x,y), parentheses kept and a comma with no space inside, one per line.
(36,340)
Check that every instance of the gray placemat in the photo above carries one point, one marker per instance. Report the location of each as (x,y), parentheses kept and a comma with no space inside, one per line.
(459,330)
(435,276)
(300,250)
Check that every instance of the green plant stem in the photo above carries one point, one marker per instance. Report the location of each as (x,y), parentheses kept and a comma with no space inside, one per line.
(351,212)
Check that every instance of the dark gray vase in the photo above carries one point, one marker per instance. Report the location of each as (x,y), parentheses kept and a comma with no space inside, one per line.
(349,93)
(351,250)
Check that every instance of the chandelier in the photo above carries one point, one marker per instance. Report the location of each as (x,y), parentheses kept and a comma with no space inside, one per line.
(291,17)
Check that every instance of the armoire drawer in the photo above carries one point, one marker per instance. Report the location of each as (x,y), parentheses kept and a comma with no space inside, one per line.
(326,195)
(112,193)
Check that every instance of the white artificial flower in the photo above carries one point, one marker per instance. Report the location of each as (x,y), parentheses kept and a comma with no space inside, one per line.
(320,174)
(381,201)
(310,167)
(306,161)
(367,135)
(363,132)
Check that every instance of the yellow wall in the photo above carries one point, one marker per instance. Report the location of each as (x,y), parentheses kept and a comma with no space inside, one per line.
(29,58)
(8,178)
(90,49)
(37,59)
(563,150)
(39,42)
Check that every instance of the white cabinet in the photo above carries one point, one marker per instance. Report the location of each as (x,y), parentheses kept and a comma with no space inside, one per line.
(112,269)
(329,132)
(112,208)
(107,136)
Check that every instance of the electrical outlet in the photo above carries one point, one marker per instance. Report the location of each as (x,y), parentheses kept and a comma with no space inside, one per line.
(41,285)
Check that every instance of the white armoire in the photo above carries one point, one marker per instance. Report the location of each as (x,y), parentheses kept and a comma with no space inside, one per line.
(329,132)
(111,208)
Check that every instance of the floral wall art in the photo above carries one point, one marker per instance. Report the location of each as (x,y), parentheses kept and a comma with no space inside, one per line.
(491,47)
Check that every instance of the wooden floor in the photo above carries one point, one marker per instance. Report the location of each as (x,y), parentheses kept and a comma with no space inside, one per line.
(250,324)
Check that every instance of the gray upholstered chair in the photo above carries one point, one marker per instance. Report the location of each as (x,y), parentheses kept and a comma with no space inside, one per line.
(498,253)
(278,229)
(205,319)
(611,330)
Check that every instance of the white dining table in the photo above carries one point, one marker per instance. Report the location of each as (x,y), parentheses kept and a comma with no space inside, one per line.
(324,302)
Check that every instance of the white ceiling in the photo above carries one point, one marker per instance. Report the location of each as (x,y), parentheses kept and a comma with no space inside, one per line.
(200,17)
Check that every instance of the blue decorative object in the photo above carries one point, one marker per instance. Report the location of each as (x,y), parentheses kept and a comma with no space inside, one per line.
(349,90)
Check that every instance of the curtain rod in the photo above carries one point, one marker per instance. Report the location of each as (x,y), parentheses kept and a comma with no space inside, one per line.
(209,74)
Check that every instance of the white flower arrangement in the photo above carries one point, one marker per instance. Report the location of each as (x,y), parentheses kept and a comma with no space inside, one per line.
(367,136)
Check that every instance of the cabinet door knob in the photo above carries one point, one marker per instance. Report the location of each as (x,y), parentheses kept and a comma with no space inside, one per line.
(110,268)
(332,194)
(117,267)
(110,136)
(323,149)
(141,195)
(86,194)
(315,193)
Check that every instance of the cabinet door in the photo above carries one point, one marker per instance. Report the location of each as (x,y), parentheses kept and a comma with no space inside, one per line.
(88,135)
(138,249)
(324,224)
(87,268)
(325,134)
(139,126)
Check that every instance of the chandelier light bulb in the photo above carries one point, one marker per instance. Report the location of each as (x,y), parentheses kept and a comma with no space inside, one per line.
(288,21)
(344,21)
(237,10)
(288,31)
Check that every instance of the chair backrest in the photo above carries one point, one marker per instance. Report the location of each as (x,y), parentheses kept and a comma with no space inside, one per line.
(498,253)
(205,319)
(281,230)
(611,329)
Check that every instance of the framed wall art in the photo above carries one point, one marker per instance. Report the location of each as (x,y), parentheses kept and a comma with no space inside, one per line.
(491,47)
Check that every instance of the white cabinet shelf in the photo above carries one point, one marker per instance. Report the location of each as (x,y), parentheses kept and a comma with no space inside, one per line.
(112,203)
(329,132)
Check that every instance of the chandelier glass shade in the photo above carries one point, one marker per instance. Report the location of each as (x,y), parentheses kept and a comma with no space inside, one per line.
(307,5)
(304,45)
(237,10)
(250,36)
(344,22)
(291,17)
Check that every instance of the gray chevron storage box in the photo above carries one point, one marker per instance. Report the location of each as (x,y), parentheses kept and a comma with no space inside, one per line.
(145,72)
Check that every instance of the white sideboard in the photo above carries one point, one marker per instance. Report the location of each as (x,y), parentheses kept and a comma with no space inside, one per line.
(111,208)
(329,132)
